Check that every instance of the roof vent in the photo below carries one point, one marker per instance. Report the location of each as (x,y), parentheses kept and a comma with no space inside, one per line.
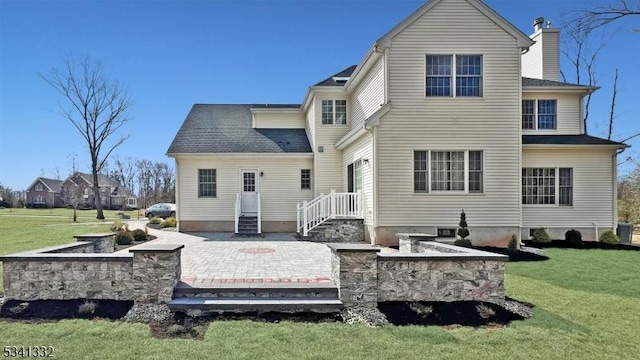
(537,23)
(341,79)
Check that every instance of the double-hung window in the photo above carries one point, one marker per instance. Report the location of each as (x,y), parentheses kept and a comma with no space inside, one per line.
(334,112)
(539,114)
(305,179)
(443,69)
(443,171)
(207,184)
(547,186)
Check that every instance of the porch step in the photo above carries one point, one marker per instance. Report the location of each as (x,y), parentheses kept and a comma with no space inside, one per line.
(207,306)
(248,225)
(255,297)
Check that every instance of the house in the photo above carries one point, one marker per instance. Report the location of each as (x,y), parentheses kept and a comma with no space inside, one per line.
(44,193)
(112,195)
(454,108)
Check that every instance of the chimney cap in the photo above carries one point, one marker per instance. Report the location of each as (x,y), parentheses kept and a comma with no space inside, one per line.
(538,21)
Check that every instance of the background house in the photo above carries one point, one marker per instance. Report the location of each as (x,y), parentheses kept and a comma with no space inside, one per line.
(44,193)
(112,194)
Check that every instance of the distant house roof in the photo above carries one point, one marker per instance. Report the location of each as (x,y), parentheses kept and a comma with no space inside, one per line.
(338,78)
(103,180)
(52,184)
(550,83)
(567,140)
(227,128)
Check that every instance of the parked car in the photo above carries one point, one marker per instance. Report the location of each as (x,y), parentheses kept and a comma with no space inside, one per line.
(163,210)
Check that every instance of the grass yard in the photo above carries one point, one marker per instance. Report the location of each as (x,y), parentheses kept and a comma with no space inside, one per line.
(587,306)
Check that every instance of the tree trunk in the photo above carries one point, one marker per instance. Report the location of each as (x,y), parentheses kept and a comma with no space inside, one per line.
(75,216)
(96,191)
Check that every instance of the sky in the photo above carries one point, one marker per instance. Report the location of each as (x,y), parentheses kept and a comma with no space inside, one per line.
(173,54)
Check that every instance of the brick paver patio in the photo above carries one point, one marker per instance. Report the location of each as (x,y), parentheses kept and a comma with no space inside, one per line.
(212,263)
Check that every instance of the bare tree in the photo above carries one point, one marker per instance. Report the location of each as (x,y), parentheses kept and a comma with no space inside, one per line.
(605,15)
(125,172)
(96,105)
(613,105)
(583,56)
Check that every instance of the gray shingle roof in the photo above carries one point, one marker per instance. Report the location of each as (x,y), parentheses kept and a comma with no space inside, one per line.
(567,140)
(103,180)
(330,80)
(53,184)
(228,129)
(540,82)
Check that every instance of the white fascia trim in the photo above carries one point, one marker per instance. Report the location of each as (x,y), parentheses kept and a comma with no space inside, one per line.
(350,137)
(374,119)
(320,89)
(572,146)
(240,155)
(276,110)
(365,65)
(523,41)
(356,133)
(560,89)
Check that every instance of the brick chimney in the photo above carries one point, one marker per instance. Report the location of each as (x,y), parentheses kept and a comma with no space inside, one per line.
(542,61)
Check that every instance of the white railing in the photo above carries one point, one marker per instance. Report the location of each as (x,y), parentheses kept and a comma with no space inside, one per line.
(326,207)
(237,211)
(259,214)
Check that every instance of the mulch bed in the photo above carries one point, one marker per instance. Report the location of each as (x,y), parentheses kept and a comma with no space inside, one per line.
(585,245)
(514,256)
(134,243)
(65,309)
(459,313)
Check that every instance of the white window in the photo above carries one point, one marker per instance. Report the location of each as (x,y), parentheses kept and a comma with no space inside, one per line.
(441,171)
(305,179)
(334,112)
(207,184)
(441,70)
(547,186)
(539,114)
(38,187)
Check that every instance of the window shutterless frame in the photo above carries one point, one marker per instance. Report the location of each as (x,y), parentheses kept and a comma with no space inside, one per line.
(454,75)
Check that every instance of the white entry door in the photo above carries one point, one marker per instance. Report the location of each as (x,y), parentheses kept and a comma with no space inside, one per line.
(249,192)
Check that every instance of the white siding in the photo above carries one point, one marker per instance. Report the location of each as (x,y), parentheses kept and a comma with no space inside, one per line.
(368,96)
(490,123)
(592,189)
(328,164)
(278,120)
(568,117)
(542,61)
(361,149)
(310,125)
(279,187)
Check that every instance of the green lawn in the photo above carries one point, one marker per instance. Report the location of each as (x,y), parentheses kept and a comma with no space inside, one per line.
(587,306)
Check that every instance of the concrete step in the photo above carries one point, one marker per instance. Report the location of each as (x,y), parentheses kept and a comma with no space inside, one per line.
(202,306)
(258,290)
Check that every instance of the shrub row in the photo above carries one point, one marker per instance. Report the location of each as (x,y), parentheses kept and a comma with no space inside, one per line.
(126,237)
(574,237)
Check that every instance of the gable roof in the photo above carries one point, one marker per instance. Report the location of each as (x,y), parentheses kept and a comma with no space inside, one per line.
(330,81)
(227,128)
(53,185)
(103,180)
(582,139)
(523,40)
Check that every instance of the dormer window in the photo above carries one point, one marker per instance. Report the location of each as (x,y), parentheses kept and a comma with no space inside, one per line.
(539,114)
(334,112)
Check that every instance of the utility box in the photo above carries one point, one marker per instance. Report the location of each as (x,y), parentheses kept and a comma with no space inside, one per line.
(625,233)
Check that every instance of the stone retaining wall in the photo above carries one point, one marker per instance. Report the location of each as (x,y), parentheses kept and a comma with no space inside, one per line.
(147,274)
(102,243)
(339,230)
(444,273)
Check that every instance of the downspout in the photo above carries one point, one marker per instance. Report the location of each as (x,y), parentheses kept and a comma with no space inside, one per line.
(615,187)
